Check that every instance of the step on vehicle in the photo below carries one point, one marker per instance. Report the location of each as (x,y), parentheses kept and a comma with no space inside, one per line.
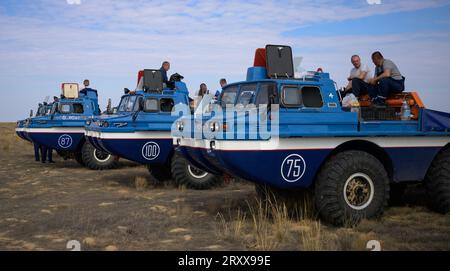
(60,126)
(141,132)
(350,158)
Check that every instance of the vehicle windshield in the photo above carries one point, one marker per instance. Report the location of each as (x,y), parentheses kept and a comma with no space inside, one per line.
(228,96)
(128,104)
(205,105)
(246,94)
(41,110)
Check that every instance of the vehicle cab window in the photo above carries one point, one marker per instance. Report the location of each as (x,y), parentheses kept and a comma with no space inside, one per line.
(137,104)
(77,108)
(301,96)
(166,104)
(70,108)
(64,109)
(151,105)
(266,94)
(291,96)
(127,104)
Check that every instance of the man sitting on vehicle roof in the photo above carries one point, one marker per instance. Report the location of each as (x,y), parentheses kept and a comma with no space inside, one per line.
(165,67)
(387,80)
(359,77)
(87,88)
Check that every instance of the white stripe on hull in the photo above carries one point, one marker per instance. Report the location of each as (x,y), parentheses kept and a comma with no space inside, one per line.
(314,143)
(134,135)
(78,130)
(20,129)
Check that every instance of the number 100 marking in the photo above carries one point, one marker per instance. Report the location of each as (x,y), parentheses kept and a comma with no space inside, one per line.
(150,150)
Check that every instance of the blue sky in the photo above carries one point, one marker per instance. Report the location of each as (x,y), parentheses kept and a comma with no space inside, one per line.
(45,43)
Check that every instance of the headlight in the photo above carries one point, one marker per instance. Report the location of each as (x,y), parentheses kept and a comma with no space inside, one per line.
(214,126)
(180,126)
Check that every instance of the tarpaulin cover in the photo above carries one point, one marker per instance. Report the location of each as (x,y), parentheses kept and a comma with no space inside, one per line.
(435,121)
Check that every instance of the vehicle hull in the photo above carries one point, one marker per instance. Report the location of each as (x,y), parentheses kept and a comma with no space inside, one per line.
(145,147)
(58,138)
(295,162)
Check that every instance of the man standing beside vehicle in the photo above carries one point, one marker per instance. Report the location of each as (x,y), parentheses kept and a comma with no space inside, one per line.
(387,80)
(359,78)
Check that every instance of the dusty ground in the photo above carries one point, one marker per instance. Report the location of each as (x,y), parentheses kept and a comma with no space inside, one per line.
(43,206)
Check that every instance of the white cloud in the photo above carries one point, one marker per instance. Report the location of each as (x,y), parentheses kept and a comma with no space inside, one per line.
(374,2)
(73,2)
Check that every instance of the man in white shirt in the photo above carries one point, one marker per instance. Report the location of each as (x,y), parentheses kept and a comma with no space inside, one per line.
(359,77)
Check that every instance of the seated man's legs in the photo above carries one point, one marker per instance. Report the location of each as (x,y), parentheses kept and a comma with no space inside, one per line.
(388,86)
(359,87)
(380,92)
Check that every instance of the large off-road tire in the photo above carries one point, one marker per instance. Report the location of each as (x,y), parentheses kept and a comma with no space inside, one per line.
(159,173)
(185,174)
(79,158)
(350,186)
(96,159)
(437,182)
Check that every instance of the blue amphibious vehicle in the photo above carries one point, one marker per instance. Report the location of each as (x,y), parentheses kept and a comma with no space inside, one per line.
(60,126)
(141,131)
(302,139)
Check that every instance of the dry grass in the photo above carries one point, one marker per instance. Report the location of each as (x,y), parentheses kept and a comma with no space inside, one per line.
(270,225)
(9,141)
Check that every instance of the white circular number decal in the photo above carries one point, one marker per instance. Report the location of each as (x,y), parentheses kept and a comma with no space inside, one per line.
(293,168)
(150,150)
(65,141)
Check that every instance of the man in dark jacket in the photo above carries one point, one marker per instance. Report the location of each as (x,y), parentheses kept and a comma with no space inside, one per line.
(165,67)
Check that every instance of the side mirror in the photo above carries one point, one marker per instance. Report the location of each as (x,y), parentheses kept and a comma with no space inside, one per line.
(31,113)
